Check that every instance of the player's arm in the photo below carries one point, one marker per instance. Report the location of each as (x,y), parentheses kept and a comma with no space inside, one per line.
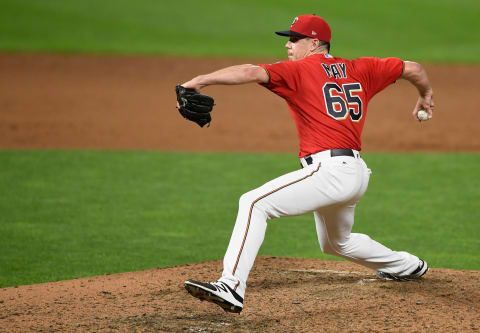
(239,74)
(416,75)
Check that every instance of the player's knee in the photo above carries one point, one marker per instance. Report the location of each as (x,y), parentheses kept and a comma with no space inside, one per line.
(250,201)
(334,248)
(327,249)
(247,199)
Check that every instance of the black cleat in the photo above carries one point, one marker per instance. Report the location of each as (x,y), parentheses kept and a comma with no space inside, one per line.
(216,292)
(421,270)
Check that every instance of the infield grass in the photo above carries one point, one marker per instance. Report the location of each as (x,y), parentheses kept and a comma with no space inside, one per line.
(427,30)
(68,214)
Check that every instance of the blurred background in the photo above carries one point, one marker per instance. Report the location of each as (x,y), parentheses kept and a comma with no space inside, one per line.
(433,31)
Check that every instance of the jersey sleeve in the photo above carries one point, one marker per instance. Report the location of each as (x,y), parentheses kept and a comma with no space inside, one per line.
(379,72)
(283,78)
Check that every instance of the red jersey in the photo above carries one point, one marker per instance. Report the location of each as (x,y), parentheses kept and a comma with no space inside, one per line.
(328,96)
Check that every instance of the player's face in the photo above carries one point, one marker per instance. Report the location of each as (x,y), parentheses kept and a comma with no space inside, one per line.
(298,47)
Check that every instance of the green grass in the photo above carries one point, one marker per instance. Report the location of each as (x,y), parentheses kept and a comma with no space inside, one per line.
(74,214)
(428,30)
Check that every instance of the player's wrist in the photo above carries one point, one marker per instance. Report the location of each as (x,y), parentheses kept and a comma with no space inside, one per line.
(193,84)
(426,92)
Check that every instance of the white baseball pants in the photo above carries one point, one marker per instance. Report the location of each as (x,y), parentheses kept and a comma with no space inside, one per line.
(330,187)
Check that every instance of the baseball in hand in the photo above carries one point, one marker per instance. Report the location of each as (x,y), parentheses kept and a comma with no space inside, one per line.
(422,115)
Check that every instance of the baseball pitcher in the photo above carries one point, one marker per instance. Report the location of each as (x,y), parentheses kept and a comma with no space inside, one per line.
(328,99)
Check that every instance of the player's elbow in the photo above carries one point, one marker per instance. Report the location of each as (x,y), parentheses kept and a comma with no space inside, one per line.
(416,74)
(411,70)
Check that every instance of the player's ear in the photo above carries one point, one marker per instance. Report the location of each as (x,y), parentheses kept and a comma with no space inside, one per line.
(315,44)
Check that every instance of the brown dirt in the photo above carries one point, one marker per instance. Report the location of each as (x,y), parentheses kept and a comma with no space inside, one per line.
(106,102)
(72,101)
(284,295)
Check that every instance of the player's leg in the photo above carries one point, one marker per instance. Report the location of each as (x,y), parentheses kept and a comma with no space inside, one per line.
(291,194)
(334,225)
(295,193)
(322,184)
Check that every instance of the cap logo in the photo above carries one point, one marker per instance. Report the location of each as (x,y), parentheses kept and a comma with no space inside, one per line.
(313,33)
(294,21)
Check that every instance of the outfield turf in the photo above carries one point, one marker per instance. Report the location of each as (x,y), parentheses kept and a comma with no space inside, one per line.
(71,214)
(428,30)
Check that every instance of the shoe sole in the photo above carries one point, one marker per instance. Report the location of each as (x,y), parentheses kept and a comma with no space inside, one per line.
(390,277)
(204,295)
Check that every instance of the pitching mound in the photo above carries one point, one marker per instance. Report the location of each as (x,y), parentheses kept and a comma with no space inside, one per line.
(283,295)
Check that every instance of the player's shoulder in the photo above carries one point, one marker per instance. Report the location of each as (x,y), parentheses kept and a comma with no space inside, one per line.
(364,60)
(372,60)
(377,63)
(278,65)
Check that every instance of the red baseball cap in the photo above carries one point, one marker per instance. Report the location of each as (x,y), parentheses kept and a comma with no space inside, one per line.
(312,26)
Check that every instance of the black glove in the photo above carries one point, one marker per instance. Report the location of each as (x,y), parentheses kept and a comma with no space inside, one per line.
(194,106)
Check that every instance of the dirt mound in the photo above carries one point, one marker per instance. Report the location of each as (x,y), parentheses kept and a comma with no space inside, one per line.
(283,295)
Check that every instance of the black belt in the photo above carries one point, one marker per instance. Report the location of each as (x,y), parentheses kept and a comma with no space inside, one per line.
(333,153)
